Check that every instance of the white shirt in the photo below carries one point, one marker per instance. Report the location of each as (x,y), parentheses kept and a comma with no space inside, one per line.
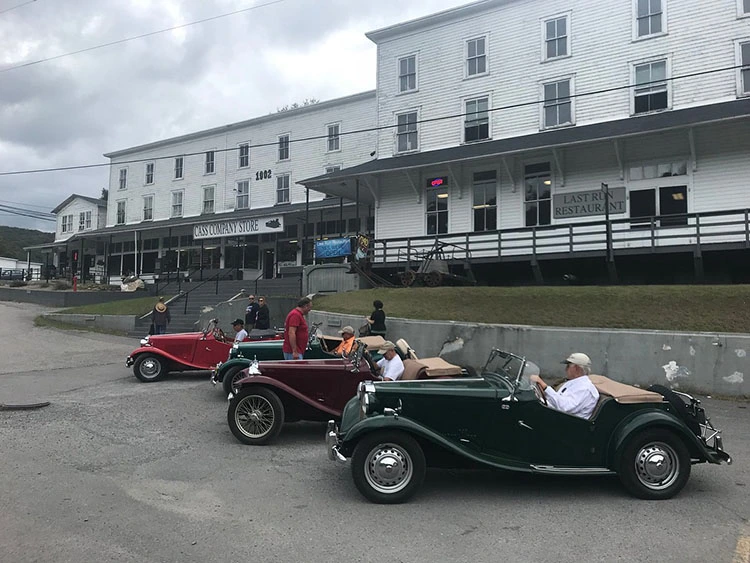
(241,335)
(391,369)
(576,396)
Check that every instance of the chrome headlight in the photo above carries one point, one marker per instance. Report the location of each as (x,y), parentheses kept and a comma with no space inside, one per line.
(236,345)
(144,341)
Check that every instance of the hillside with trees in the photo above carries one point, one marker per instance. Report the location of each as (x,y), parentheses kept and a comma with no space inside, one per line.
(13,239)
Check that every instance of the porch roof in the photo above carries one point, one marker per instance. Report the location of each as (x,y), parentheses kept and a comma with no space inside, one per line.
(339,183)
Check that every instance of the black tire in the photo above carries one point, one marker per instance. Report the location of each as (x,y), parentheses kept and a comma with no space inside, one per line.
(255,416)
(230,376)
(655,464)
(149,368)
(369,461)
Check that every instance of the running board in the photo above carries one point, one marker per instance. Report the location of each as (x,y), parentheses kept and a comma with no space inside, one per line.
(552,470)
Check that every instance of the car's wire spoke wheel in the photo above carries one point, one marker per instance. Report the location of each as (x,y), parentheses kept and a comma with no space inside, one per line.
(657,466)
(254,416)
(389,468)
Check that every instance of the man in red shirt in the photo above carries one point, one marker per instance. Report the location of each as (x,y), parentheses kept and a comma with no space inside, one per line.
(295,330)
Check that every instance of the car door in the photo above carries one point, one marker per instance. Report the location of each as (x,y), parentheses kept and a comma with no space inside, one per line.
(319,380)
(209,351)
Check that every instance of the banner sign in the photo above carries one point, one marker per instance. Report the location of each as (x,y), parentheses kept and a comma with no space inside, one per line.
(239,227)
(585,204)
(333,248)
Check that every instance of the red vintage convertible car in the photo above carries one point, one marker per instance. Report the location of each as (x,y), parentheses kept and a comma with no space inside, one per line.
(273,392)
(187,351)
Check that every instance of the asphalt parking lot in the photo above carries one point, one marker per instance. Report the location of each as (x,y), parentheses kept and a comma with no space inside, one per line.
(117,470)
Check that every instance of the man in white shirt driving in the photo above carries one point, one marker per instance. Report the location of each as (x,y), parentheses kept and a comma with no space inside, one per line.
(390,366)
(577,396)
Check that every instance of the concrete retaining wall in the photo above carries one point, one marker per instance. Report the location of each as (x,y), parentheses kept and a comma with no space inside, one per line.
(699,362)
(121,323)
(63,299)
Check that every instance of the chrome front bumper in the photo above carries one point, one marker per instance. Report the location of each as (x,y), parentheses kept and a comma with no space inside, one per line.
(129,361)
(332,443)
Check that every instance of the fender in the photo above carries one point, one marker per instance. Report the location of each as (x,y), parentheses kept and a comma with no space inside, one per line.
(653,418)
(381,422)
(159,352)
(242,362)
(263,381)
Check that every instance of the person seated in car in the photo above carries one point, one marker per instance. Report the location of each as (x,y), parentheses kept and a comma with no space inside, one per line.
(389,367)
(345,347)
(577,396)
(239,328)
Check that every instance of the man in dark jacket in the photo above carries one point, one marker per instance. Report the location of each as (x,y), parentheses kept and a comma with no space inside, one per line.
(251,313)
(263,318)
(160,317)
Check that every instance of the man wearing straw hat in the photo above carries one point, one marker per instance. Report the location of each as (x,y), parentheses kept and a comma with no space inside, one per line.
(160,317)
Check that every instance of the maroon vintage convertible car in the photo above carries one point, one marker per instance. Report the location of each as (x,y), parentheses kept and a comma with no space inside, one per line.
(274,392)
(187,351)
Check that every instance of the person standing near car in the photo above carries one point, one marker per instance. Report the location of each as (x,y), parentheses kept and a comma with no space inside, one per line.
(240,334)
(251,313)
(160,317)
(577,396)
(377,319)
(296,332)
(263,316)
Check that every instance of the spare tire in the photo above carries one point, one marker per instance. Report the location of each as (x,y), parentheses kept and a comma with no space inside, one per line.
(679,407)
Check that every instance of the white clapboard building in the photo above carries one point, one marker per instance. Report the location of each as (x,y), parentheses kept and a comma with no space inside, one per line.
(506,126)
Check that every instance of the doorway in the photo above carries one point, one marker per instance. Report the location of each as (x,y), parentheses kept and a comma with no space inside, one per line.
(268,263)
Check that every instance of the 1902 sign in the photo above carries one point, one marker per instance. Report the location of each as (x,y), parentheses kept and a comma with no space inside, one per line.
(263,175)
(588,203)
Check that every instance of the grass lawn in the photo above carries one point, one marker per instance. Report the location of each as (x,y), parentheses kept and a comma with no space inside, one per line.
(139,306)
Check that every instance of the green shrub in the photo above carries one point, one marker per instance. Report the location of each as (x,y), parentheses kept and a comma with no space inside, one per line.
(60,285)
(18,283)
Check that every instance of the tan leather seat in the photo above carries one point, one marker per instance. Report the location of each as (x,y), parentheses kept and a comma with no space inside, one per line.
(413,369)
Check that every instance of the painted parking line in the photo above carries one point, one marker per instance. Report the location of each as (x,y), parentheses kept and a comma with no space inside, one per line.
(742,551)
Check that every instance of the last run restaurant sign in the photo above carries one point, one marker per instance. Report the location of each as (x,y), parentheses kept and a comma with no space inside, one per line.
(239,227)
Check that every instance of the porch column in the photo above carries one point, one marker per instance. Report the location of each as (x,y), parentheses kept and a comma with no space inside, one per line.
(356,206)
(307,222)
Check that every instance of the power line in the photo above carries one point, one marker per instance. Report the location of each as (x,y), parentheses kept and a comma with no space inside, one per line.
(26,204)
(381,127)
(19,6)
(119,41)
(23,213)
(24,210)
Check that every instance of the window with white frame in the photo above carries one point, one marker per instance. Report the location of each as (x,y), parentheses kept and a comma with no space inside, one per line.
(244,156)
(84,220)
(243,194)
(67,224)
(477,123)
(148,208)
(436,205)
(651,89)
(334,138)
(743,7)
(558,105)
(669,203)
(407,73)
(210,162)
(406,132)
(476,56)
(283,147)
(649,19)
(177,204)
(332,169)
(538,194)
(556,37)
(282,188)
(149,173)
(658,169)
(178,164)
(123,178)
(208,199)
(120,220)
(485,201)
(743,53)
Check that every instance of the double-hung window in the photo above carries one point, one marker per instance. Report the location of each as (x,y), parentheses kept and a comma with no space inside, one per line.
(148,208)
(283,147)
(210,162)
(244,156)
(485,201)
(123,178)
(243,194)
(476,56)
(558,105)
(649,19)
(556,37)
(436,200)
(651,89)
(406,132)
(407,74)
(538,189)
(477,124)
(743,54)
(177,204)
(120,212)
(334,137)
(67,224)
(282,188)
(149,173)
(84,220)
(208,199)
(178,163)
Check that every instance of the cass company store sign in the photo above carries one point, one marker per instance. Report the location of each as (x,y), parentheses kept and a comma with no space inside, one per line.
(238,227)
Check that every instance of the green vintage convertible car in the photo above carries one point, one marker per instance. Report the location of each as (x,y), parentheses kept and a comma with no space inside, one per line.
(242,354)
(393,430)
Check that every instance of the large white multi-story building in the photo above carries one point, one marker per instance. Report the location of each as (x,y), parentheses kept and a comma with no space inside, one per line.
(501,120)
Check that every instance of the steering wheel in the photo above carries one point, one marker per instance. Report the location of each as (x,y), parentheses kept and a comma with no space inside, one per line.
(540,394)
(219,335)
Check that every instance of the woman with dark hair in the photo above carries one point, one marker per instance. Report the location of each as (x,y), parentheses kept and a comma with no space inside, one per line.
(377,319)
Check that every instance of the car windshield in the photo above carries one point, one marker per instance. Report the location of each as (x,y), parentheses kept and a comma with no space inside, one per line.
(508,366)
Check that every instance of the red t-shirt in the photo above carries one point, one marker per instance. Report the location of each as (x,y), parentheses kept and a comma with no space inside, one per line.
(297,319)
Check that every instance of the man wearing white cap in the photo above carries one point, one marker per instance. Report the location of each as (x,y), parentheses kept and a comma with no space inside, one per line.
(345,347)
(577,396)
(390,366)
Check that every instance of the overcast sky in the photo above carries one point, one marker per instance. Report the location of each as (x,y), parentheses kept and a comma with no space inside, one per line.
(71,110)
